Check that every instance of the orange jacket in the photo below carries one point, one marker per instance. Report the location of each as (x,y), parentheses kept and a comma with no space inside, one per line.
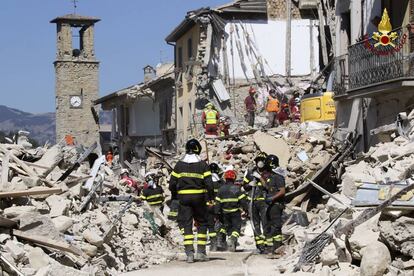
(272,104)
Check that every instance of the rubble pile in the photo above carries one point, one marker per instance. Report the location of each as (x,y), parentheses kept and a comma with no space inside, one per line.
(50,226)
(303,149)
(382,245)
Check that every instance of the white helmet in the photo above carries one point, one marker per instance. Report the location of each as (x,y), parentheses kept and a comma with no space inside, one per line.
(297,101)
(124,171)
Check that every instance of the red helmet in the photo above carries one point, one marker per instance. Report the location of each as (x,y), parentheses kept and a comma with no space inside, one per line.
(230,174)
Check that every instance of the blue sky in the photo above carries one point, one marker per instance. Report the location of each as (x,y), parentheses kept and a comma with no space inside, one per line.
(130,36)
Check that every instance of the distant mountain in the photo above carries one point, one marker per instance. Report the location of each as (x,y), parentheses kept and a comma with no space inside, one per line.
(41,126)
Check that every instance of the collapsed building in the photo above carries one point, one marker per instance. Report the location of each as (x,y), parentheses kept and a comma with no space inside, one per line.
(218,49)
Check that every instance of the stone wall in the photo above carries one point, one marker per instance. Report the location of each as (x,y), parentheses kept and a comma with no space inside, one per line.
(76,78)
(276,10)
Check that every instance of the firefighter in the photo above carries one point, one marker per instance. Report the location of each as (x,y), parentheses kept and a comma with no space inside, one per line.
(213,218)
(275,194)
(231,200)
(210,118)
(191,184)
(253,185)
(153,192)
(272,108)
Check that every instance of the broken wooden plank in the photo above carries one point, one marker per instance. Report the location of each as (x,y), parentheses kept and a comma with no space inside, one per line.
(152,153)
(5,170)
(7,223)
(328,193)
(35,191)
(95,169)
(23,165)
(44,241)
(82,158)
(384,129)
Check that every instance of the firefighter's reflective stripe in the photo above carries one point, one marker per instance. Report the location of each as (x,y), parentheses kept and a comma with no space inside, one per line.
(235,234)
(256,199)
(201,242)
(278,238)
(192,191)
(172,214)
(191,175)
(211,117)
(212,234)
(241,196)
(231,210)
(201,235)
(188,242)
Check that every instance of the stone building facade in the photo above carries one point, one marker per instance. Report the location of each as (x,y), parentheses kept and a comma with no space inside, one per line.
(77,82)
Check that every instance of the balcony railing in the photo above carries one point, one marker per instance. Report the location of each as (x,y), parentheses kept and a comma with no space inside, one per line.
(372,65)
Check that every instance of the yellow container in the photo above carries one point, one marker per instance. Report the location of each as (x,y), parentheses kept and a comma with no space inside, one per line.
(318,107)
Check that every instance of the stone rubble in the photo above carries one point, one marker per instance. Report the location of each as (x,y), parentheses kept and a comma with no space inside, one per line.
(57,218)
(382,245)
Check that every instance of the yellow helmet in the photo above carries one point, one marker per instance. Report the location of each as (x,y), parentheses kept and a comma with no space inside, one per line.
(209,105)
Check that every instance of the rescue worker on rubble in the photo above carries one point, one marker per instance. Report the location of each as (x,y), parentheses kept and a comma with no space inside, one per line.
(295,111)
(230,201)
(252,184)
(210,118)
(272,108)
(153,192)
(191,184)
(283,115)
(224,126)
(250,105)
(213,218)
(274,198)
(127,181)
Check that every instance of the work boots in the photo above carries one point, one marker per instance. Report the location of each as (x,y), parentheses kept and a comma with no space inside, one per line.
(272,250)
(213,244)
(190,257)
(231,245)
(221,242)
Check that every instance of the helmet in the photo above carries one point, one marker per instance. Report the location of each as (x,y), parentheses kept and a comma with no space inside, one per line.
(230,174)
(260,160)
(214,168)
(124,171)
(272,91)
(261,156)
(193,146)
(272,161)
(252,90)
(149,175)
(297,101)
(208,105)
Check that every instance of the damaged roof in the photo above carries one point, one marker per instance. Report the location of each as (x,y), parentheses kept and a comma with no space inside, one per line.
(243,7)
(75,18)
(135,91)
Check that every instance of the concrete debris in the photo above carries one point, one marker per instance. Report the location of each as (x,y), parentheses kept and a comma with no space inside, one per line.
(399,234)
(375,259)
(47,217)
(80,226)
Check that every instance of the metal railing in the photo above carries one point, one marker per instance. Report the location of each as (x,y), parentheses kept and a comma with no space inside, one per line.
(372,65)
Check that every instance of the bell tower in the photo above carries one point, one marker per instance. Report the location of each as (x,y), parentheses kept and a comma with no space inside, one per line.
(77,83)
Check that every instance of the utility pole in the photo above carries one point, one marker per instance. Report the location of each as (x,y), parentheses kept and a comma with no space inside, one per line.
(288,62)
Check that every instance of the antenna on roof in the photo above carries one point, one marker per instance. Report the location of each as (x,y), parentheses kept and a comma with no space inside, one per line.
(75,2)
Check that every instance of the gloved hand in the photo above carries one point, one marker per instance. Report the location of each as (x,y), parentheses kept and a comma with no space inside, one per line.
(269,200)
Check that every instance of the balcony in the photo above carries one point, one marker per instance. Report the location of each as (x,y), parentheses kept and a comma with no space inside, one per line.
(367,67)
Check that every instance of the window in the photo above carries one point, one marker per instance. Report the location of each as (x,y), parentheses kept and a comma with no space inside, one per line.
(180,57)
(190,48)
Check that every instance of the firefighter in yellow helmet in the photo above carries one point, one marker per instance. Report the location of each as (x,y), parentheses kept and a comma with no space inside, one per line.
(210,119)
